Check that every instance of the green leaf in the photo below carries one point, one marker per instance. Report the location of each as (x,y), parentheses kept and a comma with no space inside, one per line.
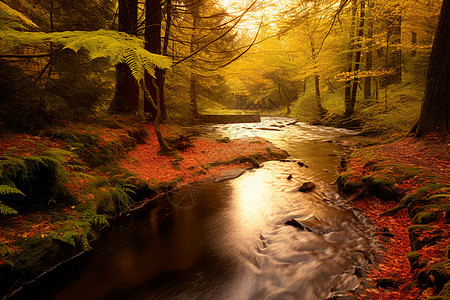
(6,189)
(16,14)
(6,210)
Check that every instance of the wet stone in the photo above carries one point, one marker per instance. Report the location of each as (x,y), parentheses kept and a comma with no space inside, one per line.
(307,187)
(301,164)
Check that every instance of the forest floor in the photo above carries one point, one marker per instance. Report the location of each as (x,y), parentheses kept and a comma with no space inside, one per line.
(77,177)
(403,188)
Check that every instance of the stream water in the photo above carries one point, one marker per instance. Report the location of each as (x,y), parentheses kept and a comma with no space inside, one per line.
(231,242)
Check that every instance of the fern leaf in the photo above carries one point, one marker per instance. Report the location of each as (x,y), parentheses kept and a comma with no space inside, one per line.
(58,154)
(16,14)
(6,190)
(118,47)
(7,210)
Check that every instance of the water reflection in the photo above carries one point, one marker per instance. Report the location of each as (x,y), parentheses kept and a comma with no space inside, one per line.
(228,240)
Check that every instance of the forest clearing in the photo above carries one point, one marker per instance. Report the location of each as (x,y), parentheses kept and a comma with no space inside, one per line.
(224,149)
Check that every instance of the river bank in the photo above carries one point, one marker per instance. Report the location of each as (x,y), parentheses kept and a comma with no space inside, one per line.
(77,177)
(402,187)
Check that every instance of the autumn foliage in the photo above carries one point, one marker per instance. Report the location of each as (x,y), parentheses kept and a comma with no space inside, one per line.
(403,189)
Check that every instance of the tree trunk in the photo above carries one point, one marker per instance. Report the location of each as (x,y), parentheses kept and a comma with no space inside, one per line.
(168,11)
(317,89)
(369,54)
(348,83)
(414,43)
(435,112)
(350,108)
(126,98)
(165,149)
(193,92)
(153,45)
(394,53)
(322,110)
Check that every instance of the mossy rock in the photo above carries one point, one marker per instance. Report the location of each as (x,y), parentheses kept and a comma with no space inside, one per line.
(444,294)
(383,189)
(347,186)
(103,202)
(416,237)
(424,217)
(140,134)
(439,274)
(413,258)
(277,155)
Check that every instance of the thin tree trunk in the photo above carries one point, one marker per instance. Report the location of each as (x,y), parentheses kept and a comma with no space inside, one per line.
(414,43)
(165,149)
(394,58)
(322,110)
(369,54)
(348,83)
(193,92)
(351,107)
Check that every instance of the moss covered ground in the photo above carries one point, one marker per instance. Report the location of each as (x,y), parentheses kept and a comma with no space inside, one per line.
(403,188)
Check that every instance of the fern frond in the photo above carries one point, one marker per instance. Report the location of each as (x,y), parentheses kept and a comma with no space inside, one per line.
(69,237)
(77,167)
(7,210)
(58,154)
(16,14)
(6,190)
(83,175)
(121,198)
(118,47)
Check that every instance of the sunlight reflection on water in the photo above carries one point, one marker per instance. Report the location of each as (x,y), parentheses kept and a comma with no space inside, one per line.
(232,242)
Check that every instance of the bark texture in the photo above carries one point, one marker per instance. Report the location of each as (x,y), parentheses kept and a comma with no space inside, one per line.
(126,98)
(435,112)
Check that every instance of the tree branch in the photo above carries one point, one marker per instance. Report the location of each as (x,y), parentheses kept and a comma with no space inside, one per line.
(25,55)
(218,38)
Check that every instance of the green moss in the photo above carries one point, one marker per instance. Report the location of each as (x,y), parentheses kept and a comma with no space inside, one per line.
(276,155)
(424,217)
(413,258)
(441,273)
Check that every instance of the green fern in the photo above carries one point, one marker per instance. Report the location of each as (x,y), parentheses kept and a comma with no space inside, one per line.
(69,237)
(6,189)
(122,198)
(59,154)
(16,15)
(7,210)
(118,47)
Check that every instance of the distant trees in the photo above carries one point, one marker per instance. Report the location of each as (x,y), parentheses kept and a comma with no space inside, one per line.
(435,113)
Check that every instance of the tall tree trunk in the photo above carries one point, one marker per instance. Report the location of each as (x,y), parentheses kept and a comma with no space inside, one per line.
(153,45)
(394,53)
(414,43)
(322,110)
(349,110)
(348,83)
(435,113)
(168,12)
(193,92)
(369,54)
(126,98)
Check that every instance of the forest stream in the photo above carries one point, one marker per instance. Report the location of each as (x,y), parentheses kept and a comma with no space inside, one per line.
(227,240)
